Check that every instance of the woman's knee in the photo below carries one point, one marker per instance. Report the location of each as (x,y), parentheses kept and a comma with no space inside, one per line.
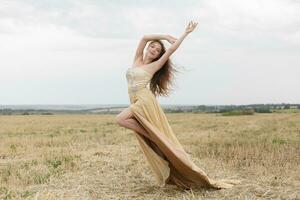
(119,120)
(123,116)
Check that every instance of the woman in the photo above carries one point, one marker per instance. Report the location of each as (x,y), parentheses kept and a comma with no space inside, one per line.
(165,155)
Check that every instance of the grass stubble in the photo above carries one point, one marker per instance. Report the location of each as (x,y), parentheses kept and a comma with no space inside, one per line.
(91,157)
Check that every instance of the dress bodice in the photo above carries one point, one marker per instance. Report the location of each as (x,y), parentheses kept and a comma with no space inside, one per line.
(137,79)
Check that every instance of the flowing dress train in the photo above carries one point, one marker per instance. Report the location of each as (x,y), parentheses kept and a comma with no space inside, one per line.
(165,155)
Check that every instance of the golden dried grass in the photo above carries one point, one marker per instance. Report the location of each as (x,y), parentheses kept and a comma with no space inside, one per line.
(91,157)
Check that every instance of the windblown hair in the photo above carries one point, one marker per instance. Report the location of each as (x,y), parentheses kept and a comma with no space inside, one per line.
(162,81)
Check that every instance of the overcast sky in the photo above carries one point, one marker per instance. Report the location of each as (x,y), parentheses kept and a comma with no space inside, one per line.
(77,52)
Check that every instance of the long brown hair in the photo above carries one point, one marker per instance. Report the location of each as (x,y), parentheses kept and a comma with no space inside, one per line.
(162,81)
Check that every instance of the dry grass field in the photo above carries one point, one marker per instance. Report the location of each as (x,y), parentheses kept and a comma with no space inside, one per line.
(91,157)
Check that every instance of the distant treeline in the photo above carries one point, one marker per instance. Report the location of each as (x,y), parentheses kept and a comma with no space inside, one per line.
(9,111)
(258,108)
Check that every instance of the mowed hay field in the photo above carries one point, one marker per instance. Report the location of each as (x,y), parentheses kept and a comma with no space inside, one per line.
(91,157)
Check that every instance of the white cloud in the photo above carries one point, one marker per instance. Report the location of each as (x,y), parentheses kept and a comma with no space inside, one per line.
(90,44)
(250,19)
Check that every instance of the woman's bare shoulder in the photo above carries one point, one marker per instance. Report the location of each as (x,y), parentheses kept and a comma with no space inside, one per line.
(137,63)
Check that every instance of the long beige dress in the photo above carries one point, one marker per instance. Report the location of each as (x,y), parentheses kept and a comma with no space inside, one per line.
(166,157)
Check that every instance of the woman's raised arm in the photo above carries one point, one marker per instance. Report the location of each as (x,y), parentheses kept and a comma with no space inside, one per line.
(190,27)
(156,37)
(160,62)
(175,44)
(143,43)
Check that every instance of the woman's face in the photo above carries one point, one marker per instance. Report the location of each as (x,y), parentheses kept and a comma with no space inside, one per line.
(154,50)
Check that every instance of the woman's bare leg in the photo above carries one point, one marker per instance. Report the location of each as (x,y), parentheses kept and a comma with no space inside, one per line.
(127,120)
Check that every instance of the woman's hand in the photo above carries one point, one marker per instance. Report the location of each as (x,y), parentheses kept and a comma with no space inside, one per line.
(190,27)
(171,39)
